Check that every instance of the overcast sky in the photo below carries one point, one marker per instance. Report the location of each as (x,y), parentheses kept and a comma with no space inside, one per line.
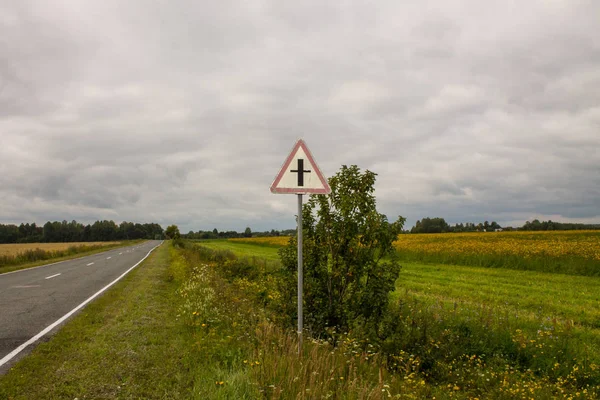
(183,111)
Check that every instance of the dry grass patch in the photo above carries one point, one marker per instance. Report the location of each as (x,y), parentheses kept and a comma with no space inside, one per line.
(19,256)
(18,248)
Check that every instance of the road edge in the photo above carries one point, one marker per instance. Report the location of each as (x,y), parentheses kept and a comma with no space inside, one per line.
(50,327)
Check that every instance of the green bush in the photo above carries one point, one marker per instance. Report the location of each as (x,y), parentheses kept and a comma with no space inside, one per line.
(349,261)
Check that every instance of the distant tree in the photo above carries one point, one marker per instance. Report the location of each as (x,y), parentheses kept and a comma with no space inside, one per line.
(172,232)
(48,234)
(104,231)
(76,232)
(87,233)
(431,225)
(248,232)
(9,233)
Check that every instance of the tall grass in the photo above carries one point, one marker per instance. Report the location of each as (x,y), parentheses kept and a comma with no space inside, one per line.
(37,254)
(428,348)
(253,356)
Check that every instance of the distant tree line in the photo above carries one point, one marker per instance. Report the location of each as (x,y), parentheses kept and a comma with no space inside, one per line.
(215,234)
(549,225)
(439,225)
(74,231)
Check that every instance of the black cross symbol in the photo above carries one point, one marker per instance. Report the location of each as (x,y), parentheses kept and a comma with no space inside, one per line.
(300,172)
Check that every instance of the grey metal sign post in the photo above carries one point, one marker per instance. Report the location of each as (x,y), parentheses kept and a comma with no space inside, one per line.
(293,178)
(300,276)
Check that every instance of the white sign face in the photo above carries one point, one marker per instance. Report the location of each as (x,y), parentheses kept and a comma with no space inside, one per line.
(300,174)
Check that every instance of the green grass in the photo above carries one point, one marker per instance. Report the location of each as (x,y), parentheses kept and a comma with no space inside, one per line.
(179,327)
(257,359)
(548,295)
(499,300)
(242,250)
(74,252)
(527,292)
(466,332)
(125,344)
(523,293)
(138,341)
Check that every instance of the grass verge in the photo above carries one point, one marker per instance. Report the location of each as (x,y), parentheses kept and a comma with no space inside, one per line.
(126,344)
(243,249)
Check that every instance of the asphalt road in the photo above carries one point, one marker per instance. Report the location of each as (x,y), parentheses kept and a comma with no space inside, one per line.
(33,299)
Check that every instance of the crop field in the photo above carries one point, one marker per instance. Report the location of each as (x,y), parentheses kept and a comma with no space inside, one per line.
(558,244)
(18,248)
(273,241)
(501,296)
(26,255)
(568,252)
(526,293)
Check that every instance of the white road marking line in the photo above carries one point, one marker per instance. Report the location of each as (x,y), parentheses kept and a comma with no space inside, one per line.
(19,349)
(108,258)
(52,276)
(24,287)
(120,253)
(90,264)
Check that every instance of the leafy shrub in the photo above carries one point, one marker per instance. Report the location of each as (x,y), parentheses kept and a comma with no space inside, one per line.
(349,261)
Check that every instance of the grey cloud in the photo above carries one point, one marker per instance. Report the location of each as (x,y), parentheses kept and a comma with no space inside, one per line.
(183,112)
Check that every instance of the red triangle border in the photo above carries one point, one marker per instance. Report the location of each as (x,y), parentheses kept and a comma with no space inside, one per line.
(300,144)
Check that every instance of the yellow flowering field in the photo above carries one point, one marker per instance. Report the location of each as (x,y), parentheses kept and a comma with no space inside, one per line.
(583,244)
(570,252)
(567,252)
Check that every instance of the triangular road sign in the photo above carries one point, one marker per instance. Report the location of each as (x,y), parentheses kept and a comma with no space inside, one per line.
(300,174)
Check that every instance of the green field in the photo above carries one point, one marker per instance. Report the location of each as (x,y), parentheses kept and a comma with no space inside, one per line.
(202,320)
(494,308)
(529,293)
(241,249)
